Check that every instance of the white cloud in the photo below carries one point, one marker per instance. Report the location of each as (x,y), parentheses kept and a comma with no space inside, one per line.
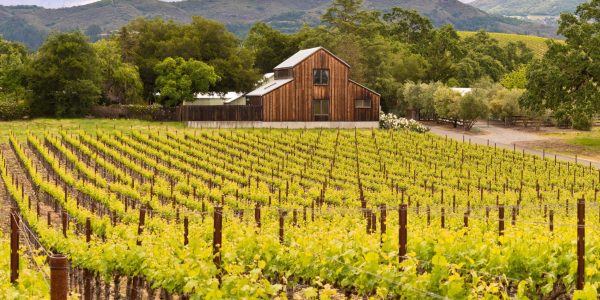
(53,3)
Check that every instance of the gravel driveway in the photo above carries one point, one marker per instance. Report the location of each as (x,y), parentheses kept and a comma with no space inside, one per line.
(505,138)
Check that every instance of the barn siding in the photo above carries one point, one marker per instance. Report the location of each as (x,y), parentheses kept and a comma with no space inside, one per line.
(293,101)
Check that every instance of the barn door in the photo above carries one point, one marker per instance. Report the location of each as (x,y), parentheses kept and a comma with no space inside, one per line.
(320,110)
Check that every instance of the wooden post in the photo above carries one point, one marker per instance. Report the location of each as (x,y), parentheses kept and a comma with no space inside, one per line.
(281,226)
(59,277)
(580,243)
(402,232)
(65,223)
(257,215)
(185,231)
(382,221)
(14,247)
(551,220)
(218,238)
(501,220)
(443,218)
(87,284)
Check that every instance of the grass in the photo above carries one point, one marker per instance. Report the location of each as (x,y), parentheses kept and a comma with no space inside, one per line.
(20,128)
(535,43)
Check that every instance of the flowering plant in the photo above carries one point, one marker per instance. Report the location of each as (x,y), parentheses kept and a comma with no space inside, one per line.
(391,121)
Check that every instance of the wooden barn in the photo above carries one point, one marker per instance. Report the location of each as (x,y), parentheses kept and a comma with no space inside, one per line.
(314,85)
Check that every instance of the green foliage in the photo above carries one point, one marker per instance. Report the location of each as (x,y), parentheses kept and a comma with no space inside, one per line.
(516,79)
(504,104)
(179,80)
(269,46)
(446,103)
(13,57)
(420,97)
(64,76)
(11,108)
(566,79)
(146,43)
(121,82)
(471,108)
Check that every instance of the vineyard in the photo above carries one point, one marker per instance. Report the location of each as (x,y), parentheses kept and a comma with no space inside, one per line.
(330,214)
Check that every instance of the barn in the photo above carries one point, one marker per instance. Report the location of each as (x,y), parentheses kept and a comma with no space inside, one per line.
(314,85)
(312,88)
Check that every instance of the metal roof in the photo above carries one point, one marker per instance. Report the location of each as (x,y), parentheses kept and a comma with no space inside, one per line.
(268,87)
(301,56)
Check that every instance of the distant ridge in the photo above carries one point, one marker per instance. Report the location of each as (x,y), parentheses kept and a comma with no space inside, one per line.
(527,7)
(30,24)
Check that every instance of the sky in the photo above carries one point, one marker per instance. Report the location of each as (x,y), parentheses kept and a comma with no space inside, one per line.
(50,3)
(68,3)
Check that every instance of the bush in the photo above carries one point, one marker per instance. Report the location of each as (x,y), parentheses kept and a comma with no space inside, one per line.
(12,110)
(154,112)
(391,121)
(582,121)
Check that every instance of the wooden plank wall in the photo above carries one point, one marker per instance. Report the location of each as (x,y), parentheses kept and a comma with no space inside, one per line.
(221,113)
(357,91)
(293,101)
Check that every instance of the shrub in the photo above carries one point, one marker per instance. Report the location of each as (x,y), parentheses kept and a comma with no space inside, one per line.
(391,121)
(11,109)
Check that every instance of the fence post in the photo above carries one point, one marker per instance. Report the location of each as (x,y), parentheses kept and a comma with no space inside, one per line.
(501,220)
(185,231)
(59,277)
(65,223)
(14,247)
(551,220)
(281,225)
(402,232)
(87,286)
(443,218)
(218,238)
(382,221)
(580,243)
(257,215)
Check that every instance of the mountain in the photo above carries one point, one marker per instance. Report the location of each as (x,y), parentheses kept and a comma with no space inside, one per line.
(30,24)
(528,7)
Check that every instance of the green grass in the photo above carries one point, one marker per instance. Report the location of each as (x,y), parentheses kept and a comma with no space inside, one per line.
(590,142)
(20,128)
(535,43)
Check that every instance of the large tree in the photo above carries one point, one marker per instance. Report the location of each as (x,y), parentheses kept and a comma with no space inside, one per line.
(13,57)
(146,43)
(270,46)
(179,80)
(121,82)
(567,78)
(64,76)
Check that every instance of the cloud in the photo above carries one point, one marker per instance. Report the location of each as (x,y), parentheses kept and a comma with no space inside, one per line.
(47,3)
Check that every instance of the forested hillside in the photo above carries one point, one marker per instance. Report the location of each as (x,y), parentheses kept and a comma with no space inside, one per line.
(31,24)
(529,7)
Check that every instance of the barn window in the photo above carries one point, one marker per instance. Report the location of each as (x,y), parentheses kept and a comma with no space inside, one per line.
(362,103)
(320,108)
(321,76)
(283,74)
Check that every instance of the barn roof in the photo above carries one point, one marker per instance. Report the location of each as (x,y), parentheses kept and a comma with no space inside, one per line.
(268,87)
(301,55)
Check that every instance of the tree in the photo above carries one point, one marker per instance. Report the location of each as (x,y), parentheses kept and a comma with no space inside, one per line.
(64,76)
(446,104)
(269,46)
(146,43)
(516,79)
(420,97)
(93,32)
(504,104)
(13,57)
(121,82)
(567,78)
(470,109)
(179,80)
(407,26)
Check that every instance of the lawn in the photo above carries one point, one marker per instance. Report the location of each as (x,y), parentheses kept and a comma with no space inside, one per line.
(20,128)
